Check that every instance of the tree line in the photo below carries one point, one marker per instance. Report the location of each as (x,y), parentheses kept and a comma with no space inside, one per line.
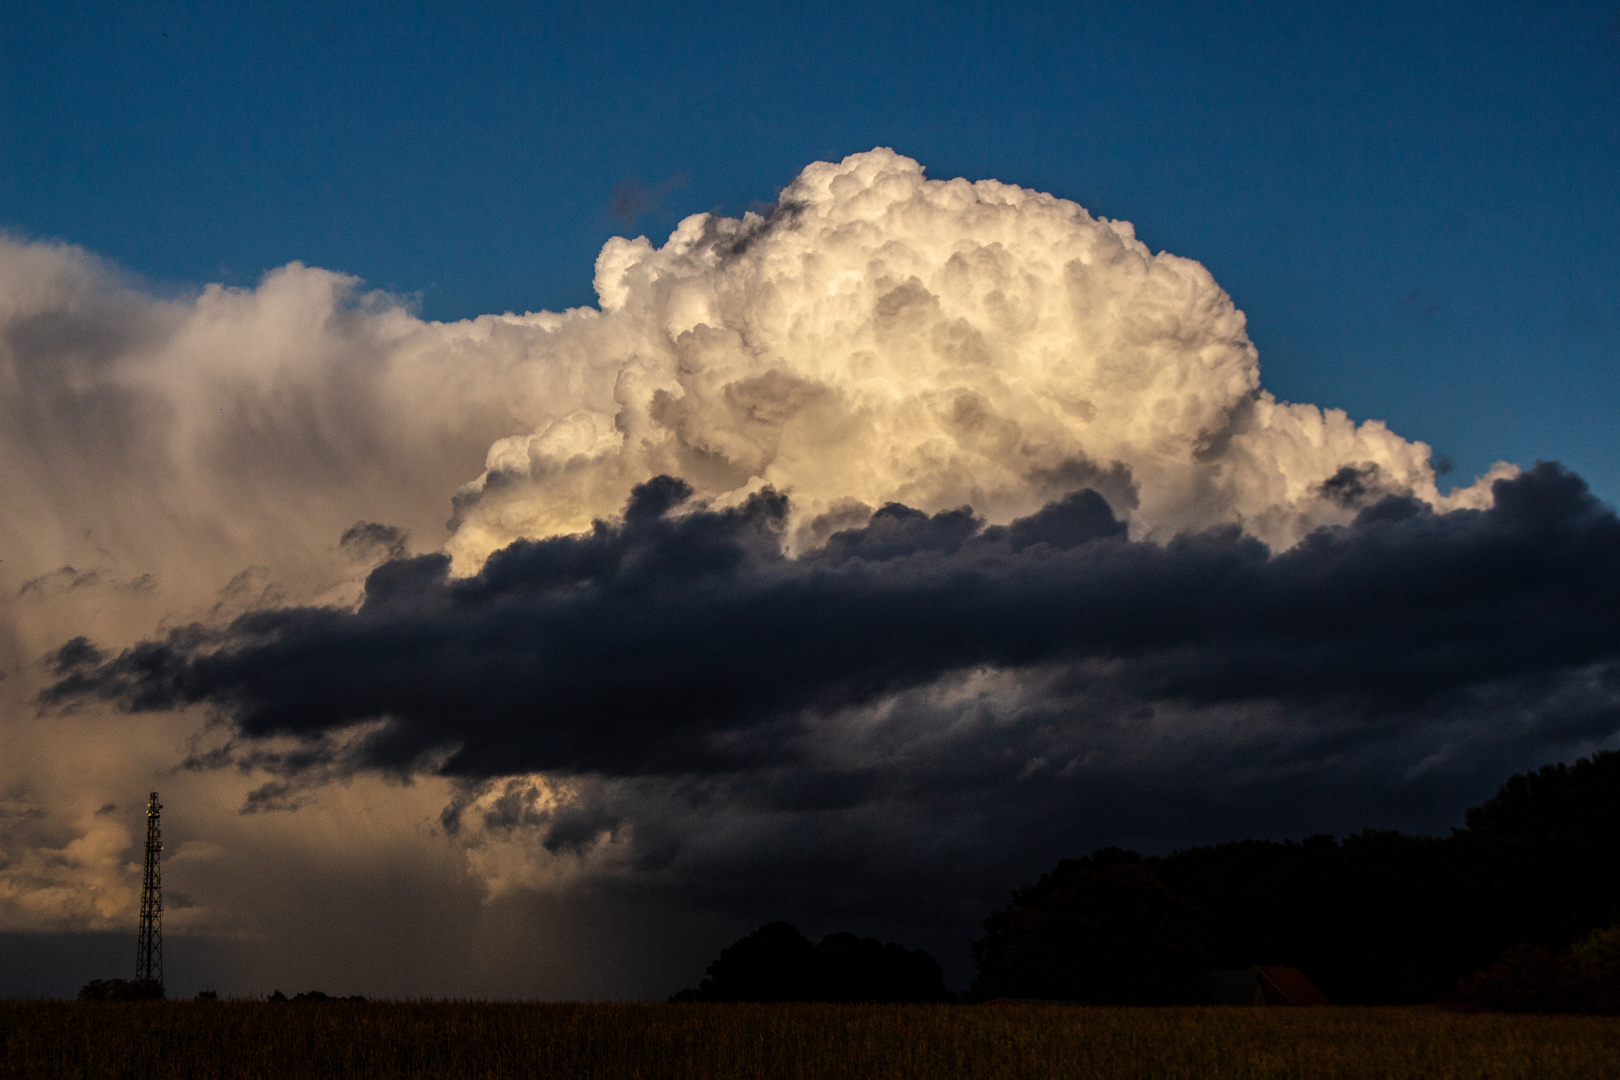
(1515,910)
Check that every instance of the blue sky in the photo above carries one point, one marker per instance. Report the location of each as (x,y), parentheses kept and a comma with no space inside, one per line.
(1418,205)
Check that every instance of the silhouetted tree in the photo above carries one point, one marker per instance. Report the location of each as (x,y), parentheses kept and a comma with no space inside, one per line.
(1103,929)
(774,963)
(778,963)
(1544,849)
(1378,917)
(866,969)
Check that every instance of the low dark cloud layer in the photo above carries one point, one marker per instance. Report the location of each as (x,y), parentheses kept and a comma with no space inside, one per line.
(687,643)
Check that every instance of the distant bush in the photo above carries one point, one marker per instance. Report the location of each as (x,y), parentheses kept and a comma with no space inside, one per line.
(1531,979)
(121,990)
(1602,951)
(308,996)
(778,963)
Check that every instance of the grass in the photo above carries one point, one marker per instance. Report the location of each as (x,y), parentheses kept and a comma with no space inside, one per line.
(453,1040)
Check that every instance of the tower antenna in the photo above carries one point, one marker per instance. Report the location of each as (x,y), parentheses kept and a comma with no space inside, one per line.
(149,945)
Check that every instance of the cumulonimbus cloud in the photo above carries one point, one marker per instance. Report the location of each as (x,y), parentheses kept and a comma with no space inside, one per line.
(983,515)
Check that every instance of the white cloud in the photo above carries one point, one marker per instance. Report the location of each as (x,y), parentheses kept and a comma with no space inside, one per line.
(887,337)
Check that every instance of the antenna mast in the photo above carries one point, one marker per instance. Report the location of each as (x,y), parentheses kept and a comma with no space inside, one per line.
(149,945)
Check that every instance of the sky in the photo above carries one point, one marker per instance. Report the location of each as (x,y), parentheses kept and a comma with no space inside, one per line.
(543,490)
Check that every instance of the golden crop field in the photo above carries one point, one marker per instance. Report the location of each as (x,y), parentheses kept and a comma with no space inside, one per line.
(454,1040)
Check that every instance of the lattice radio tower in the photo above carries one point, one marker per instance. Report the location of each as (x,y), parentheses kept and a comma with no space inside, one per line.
(149,945)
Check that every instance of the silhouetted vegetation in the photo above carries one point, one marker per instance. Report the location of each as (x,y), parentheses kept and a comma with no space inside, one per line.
(778,963)
(121,990)
(1380,917)
(277,997)
(456,1040)
(1528,978)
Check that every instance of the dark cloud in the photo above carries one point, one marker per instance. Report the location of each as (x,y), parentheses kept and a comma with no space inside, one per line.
(65,579)
(78,653)
(368,539)
(1351,484)
(632,199)
(673,643)
(275,795)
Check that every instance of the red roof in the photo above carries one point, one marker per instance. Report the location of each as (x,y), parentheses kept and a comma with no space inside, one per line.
(1289,986)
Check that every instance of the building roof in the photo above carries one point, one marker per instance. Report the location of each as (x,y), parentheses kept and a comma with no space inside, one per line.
(1289,986)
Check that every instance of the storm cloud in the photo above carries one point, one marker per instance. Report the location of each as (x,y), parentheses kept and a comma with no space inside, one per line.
(668,642)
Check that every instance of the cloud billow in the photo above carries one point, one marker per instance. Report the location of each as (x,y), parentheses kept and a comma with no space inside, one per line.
(676,641)
(1266,618)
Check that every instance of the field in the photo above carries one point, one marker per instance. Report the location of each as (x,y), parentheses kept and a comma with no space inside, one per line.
(452,1040)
